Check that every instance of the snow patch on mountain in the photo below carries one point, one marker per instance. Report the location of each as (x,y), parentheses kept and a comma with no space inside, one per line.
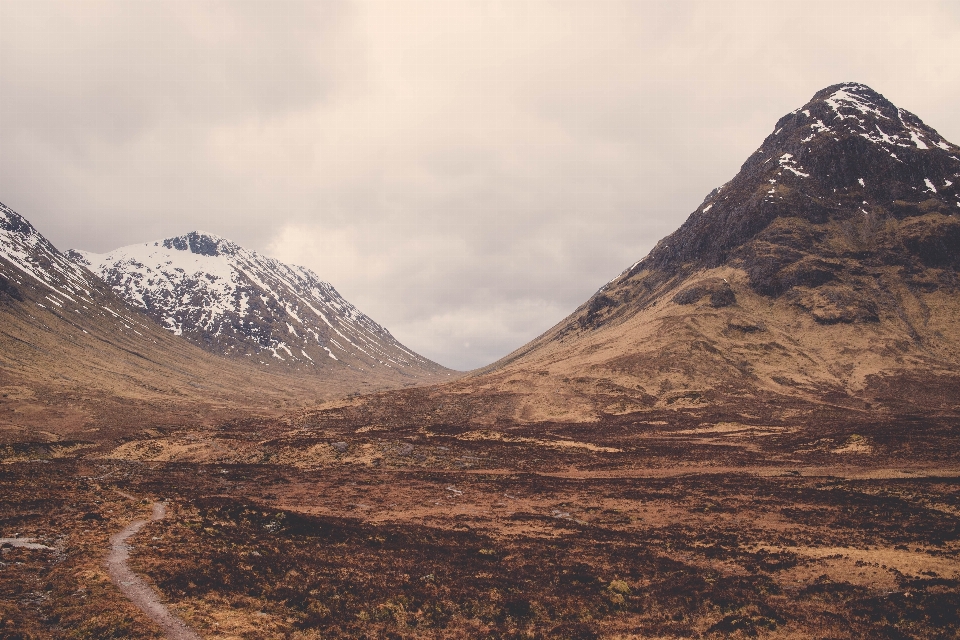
(32,254)
(36,262)
(861,111)
(851,96)
(789,164)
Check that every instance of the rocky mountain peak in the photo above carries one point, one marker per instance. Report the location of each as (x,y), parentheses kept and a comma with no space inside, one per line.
(846,184)
(827,269)
(13,222)
(202,243)
(848,153)
(849,119)
(33,258)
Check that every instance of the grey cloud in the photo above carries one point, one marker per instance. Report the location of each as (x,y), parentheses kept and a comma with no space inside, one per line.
(464,172)
(110,70)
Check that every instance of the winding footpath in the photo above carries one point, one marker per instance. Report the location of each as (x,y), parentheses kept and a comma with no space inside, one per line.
(135,589)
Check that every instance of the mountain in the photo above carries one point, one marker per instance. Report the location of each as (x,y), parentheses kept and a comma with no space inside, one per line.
(825,273)
(76,361)
(235,302)
(825,269)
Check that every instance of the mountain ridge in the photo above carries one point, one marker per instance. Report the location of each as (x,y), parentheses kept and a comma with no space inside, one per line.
(717,231)
(824,273)
(78,363)
(236,302)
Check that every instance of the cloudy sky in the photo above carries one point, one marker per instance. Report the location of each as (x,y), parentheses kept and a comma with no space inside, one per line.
(467,173)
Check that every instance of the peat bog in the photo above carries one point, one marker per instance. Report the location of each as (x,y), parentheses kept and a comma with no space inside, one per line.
(671,527)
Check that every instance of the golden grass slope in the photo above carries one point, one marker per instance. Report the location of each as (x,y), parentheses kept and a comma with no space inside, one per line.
(681,355)
(73,370)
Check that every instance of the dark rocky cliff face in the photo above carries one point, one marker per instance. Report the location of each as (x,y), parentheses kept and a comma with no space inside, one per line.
(847,192)
(198,243)
(849,152)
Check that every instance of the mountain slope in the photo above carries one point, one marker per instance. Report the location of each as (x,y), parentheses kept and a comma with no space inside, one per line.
(825,273)
(827,268)
(235,302)
(77,361)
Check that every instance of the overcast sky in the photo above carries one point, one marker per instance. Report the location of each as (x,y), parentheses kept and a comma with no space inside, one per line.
(466,173)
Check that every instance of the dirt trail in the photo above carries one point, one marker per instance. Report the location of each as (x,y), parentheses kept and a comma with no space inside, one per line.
(138,591)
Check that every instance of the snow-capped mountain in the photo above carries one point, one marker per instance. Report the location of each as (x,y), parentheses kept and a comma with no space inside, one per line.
(828,267)
(848,152)
(62,283)
(236,302)
(847,181)
(76,359)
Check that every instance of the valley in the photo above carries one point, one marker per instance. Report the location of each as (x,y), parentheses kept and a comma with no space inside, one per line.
(751,432)
(668,528)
